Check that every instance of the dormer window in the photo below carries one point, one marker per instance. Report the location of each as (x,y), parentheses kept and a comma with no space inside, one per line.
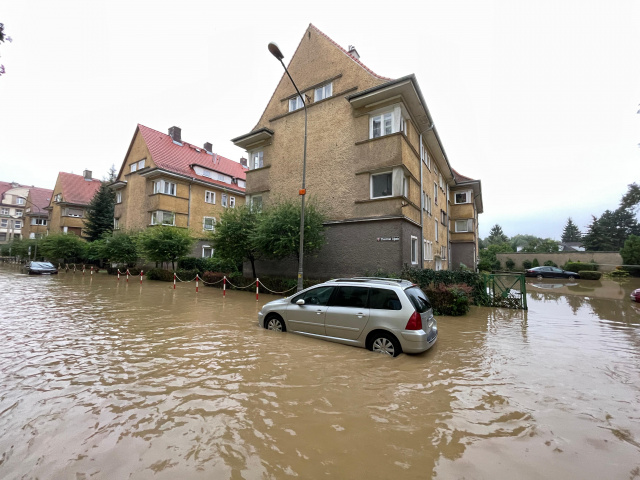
(323,92)
(295,103)
(388,121)
(462,197)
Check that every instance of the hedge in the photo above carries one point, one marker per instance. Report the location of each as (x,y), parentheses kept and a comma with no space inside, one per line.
(453,300)
(425,278)
(590,275)
(580,266)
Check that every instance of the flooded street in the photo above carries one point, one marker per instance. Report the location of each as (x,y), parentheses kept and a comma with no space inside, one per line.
(109,380)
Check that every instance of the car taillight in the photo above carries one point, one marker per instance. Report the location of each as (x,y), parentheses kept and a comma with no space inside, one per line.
(415,322)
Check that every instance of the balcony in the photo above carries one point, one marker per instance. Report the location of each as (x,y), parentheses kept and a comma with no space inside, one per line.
(390,150)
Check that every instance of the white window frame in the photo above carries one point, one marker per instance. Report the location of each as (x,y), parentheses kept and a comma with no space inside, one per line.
(141,164)
(119,197)
(19,213)
(414,250)
(165,187)
(205,247)
(213,224)
(133,167)
(428,252)
(390,173)
(58,197)
(39,221)
(467,224)
(437,222)
(232,202)
(325,91)
(405,186)
(223,201)
(4,223)
(257,160)
(466,193)
(255,204)
(20,201)
(154,218)
(435,193)
(385,129)
(116,224)
(17,224)
(4,211)
(296,103)
(210,197)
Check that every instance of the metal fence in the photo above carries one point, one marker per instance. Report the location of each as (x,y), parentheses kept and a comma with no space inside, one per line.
(507,290)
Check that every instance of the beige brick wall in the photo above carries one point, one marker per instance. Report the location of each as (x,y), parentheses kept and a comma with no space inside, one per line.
(607,260)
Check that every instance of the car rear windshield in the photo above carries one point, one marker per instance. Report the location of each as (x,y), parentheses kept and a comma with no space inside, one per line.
(418,299)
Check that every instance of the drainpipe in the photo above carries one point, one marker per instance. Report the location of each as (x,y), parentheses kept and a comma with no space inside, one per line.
(421,205)
(189,208)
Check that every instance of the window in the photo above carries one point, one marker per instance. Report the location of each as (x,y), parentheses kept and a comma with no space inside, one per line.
(403,125)
(4,222)
(441,182)
(315,296)
(58,197)
(116,224)
(4,211)
(461,197)
(435,193)
(134,166)
(118,197)
(141,164)
(427,203)
(224,200)
(464,225)
(18,213)
(232,202)
(256,203)
(207,251)
(295,103)
(381,185)
(163,218)
(38,221)
(356,297)
(210,197)
(19,201)
(242,183)
(209,224)
(384,299)
(381,125)
(443,252)
(256,158)
(165,187)
(405,186)
(75,212)
(17,224)
(323,92)
(428,250)
(443,217)
(414,249)
(436,223)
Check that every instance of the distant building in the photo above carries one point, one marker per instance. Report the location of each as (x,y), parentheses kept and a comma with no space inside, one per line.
(69,200)
(36,222)
(12,206)
(375,162)
(571,247)
(164,180)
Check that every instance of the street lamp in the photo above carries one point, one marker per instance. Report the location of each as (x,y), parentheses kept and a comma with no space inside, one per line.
(275,51)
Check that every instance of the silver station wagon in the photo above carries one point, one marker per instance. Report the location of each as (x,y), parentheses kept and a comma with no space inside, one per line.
(385,315)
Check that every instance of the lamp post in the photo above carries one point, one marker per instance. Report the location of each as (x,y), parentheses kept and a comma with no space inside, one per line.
(275,51)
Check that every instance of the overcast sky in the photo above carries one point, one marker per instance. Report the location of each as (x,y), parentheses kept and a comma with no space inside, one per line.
(538,100)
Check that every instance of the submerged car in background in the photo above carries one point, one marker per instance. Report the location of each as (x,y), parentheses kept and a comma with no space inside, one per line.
(40,268)
(635,295)
(385,315)
(550,272)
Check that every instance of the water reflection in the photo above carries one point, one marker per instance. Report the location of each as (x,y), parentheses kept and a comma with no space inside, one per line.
(108,379)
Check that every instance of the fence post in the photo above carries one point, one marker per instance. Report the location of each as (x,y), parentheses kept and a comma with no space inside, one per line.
(91,269)
(174,280)
(83,270)
(127,275)
(118,274)
(224,286)
(141,273)
(197,278)
(257,287)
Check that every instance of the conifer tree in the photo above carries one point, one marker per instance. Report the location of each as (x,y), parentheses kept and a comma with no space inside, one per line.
(99,219)
(571,233)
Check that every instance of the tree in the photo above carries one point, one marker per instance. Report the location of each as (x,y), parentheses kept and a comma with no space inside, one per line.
(233,238)
(99,218)
(3,37)
(496,235)
(571,233)
(121,248)
(62,247)
(277,234)
(166,244)
(631,199)
(523,241)
(547,245)
(487,258)
(630,253)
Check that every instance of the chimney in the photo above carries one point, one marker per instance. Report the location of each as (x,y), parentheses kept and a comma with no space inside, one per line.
(353,52)
(243,162)
(87,175)
(208,148)
(175,134)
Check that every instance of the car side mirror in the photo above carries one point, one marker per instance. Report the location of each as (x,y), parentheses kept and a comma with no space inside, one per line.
(300,302)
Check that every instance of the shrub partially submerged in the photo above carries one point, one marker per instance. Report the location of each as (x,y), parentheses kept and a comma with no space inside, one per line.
(453,300)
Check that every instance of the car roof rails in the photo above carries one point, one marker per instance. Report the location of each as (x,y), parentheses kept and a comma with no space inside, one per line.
(369,279)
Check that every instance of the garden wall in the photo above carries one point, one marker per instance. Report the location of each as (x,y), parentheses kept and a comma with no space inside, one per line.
(607,261)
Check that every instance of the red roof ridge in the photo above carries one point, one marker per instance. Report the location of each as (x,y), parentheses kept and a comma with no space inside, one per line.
(460,177)
(348,55)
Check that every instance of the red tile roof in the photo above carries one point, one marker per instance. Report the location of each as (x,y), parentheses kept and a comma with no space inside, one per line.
(460,178)
(75,189)
(4,186)
(40,197)
(179,158)
(347,54)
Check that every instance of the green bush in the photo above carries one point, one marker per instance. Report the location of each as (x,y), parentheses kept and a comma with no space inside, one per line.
(580,267)
(535,263)
(590,275)
(550,263)
(619,272)
(213,264)
(186,275)
(526,264)
(453,300)
(510,264)
(427,277)
(160,274)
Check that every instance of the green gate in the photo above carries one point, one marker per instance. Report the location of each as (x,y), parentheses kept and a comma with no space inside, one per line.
(507,290)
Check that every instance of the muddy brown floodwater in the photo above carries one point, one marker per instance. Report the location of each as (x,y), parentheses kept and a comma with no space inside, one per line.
(107,380)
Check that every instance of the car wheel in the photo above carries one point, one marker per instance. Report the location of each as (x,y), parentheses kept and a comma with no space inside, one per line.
(274,322)
(571,277)
(539,277)
(385,343)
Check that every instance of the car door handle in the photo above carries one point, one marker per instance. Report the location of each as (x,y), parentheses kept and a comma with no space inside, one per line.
(318,312)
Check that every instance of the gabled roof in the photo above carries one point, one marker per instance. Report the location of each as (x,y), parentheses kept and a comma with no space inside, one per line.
(460,178)
(4,186)
(179,159)
(40,197)
(75,189)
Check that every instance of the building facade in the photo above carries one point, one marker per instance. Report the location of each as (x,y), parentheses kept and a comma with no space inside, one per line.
(69,200)
(36,221)
(375,164)
(167,181)
(12,208)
